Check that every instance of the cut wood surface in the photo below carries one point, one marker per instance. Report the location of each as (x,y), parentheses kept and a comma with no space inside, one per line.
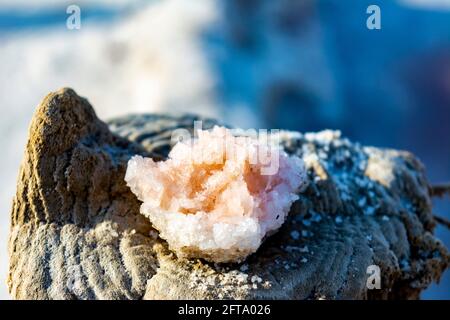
(76,230)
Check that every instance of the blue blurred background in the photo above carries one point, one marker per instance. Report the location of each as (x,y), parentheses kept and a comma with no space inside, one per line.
(304,65)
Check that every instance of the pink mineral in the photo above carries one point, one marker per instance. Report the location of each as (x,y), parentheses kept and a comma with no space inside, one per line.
(216,197)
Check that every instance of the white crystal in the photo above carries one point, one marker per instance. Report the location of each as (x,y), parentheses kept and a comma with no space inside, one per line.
(212,198)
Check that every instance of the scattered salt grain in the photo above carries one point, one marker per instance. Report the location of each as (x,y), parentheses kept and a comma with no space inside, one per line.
(317,217)
(256,278)
(244,267)
(369,211)
(304,249)
(362,202)
(295,235)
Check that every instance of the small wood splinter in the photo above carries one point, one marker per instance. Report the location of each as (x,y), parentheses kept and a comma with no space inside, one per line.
(440,190)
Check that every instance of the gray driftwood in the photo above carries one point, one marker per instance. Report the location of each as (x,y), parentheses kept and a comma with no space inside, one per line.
(76,231)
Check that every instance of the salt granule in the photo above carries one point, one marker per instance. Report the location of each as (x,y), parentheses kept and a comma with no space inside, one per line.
(214,198)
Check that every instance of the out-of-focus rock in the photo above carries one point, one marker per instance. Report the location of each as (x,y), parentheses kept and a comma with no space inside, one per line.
(76,231)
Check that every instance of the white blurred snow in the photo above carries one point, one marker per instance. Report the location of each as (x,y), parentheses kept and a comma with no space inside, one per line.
(151,61)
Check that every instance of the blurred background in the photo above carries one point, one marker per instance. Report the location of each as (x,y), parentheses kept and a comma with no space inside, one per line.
(304,65)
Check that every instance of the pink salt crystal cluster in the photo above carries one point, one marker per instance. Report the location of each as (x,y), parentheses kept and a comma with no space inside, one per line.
(214,198)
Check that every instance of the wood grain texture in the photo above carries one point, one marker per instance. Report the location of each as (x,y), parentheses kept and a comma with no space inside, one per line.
(76,231)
